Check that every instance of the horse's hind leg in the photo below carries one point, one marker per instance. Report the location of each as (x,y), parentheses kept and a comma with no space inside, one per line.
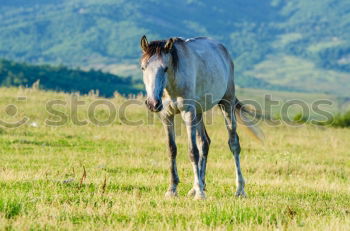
(168,123)
(227,108)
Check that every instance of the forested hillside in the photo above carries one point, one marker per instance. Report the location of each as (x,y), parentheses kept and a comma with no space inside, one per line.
(298,45)
(61,78)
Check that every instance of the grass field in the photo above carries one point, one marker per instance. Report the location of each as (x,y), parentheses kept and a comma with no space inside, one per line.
(297,180)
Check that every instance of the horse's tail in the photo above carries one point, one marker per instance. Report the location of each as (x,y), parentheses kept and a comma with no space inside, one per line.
(243,113)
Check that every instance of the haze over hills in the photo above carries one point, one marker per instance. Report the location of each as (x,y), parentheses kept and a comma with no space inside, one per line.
(300,45)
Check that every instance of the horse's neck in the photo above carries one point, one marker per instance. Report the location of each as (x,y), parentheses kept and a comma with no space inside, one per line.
(171,87)
(178,85)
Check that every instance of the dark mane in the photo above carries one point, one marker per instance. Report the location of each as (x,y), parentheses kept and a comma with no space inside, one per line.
(157,47)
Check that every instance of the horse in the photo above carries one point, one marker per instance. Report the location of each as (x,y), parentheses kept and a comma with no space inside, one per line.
(189,77)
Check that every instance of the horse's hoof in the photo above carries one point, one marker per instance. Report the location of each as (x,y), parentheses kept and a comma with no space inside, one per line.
(200,196)
(241,194)
(170,194)
(191,193)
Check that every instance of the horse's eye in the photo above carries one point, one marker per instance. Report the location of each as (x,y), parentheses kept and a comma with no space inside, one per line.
(166,69)
(142,68)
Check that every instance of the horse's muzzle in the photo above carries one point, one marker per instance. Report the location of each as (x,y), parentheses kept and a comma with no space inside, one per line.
(154,105)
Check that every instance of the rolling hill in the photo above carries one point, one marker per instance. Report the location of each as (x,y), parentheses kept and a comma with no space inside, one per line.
(298,45)
(60,78)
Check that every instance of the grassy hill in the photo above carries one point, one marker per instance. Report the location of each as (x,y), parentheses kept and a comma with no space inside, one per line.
(61,78)
(269,40)
(299,179)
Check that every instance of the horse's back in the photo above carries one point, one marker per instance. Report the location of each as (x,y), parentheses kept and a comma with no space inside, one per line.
(214,75)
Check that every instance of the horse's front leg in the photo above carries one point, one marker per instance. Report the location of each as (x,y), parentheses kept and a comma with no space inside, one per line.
(203,143)
(168,123)
(189,116)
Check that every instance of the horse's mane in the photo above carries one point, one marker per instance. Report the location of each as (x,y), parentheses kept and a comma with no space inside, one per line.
(157,47)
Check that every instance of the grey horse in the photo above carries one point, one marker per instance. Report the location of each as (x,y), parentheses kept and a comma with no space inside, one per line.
(191,76)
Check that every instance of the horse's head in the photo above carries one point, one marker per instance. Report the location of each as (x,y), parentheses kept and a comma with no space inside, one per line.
(155,64)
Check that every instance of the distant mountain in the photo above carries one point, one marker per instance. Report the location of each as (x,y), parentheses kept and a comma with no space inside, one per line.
(280,44)
(64,79)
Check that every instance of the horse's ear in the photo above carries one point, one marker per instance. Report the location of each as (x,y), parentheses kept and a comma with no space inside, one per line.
(144,43)
(169,45)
